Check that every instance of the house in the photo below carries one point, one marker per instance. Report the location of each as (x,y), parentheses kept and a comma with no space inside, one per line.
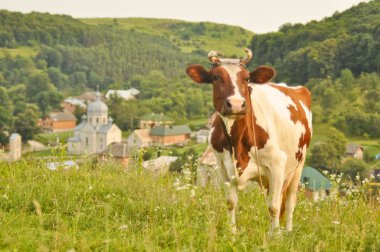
(124,94)
(202,135)
(160,164)
(71,103)
(140,138)
(58,122)
(317,185)
(87,97)
(116,151)
(151,120)
(95,132)
(170,135)
(354,150)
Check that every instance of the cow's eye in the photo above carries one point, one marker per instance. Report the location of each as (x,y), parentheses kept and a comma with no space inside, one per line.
(246,79)
(215,78)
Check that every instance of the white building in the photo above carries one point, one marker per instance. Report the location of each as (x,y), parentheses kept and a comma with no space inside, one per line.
(15,147)
(125,94)
(95,132)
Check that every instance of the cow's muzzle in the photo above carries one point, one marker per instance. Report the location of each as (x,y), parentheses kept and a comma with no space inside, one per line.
(234,107)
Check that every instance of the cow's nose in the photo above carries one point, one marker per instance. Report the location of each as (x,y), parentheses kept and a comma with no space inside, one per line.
(235,106)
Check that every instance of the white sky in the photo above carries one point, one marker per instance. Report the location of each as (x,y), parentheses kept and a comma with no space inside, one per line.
(256,15)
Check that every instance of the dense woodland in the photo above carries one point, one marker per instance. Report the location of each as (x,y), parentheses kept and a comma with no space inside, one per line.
(45,58)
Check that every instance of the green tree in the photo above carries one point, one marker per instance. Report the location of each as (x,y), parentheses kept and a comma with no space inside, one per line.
(329,154)
(353,167)
(26,123)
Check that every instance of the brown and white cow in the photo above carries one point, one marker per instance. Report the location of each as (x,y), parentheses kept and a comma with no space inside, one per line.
(262,131)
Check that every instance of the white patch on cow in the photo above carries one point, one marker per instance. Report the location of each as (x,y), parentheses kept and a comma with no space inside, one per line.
(309,116)
(210,134)
(228,122)
(232,71)
(272,114)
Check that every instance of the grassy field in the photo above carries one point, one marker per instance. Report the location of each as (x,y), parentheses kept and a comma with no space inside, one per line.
(22,51)
(103,207)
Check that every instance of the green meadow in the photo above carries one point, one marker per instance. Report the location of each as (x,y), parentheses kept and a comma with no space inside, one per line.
(103,207)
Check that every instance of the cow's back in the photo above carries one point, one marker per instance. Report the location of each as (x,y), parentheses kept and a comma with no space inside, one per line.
(284,113)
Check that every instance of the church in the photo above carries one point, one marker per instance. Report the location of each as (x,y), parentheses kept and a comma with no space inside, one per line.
(95,132)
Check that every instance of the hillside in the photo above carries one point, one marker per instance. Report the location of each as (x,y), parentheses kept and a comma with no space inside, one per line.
(190,37)
(347,40)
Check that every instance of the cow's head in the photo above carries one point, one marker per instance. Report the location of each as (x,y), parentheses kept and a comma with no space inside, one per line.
(230,80)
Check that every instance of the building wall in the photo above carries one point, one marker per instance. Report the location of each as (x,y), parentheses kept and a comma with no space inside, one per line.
(169,140)
(114,135)
(15,147)
(61,126)
(57,126)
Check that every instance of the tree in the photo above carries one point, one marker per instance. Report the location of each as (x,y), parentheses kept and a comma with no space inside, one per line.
(329,154)
(353,167)
(26,123)
(38,83)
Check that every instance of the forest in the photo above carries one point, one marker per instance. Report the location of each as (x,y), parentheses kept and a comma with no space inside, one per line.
(45,58)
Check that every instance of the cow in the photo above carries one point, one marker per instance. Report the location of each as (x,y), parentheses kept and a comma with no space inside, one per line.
(261,133)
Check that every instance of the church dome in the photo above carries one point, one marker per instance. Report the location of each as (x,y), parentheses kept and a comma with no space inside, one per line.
(97,107)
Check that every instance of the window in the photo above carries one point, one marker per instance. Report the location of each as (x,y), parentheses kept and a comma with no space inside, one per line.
(86,141)
(97,120)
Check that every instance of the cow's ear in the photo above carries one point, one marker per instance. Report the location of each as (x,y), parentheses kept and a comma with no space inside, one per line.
(198,74)
(262,74)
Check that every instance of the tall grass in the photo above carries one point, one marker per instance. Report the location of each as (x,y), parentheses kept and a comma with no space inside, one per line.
(104,207)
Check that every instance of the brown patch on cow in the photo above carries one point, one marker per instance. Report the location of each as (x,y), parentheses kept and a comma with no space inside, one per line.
(297,114)
(218,138)
(283,203)
(222,87)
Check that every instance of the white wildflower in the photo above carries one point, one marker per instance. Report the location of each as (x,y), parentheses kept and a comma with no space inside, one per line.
(123,227)
(336,222)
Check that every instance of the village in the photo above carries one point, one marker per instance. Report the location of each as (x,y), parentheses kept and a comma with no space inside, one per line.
(96,135)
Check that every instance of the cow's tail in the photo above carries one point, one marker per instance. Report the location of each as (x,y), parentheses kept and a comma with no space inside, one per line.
(283,203)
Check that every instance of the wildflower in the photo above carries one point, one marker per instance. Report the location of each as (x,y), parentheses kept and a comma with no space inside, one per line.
(123,227)
(5,196)
(336,222)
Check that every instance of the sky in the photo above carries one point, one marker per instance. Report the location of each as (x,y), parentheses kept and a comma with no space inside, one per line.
(259,16)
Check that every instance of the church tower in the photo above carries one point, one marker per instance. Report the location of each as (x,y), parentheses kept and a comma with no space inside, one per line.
(97,112)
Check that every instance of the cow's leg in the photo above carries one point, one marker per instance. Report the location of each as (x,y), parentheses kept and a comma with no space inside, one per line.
(227,174)
(291,198)
(276,181)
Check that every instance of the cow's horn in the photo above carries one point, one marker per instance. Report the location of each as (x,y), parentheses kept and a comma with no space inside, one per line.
(247,58)
(213,56)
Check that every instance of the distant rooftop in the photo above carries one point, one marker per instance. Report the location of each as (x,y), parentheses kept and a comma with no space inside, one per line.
(156,117)
(62,116)
(125,94)
(174,130)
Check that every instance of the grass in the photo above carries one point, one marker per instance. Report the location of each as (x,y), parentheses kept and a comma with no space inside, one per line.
(104,207)
(22,51)
(52,137)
